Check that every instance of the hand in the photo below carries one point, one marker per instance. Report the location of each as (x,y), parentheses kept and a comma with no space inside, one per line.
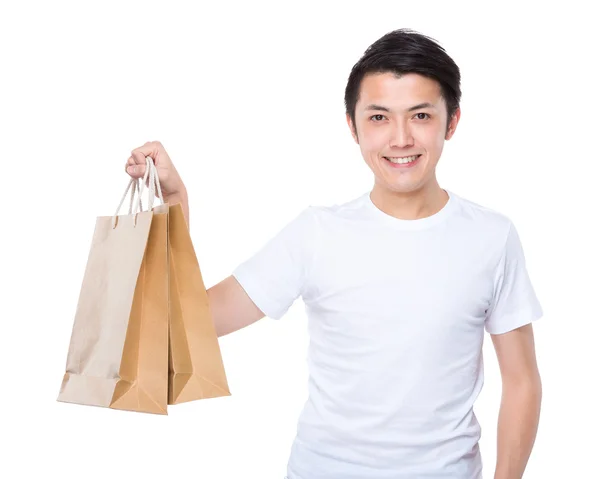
(170,181)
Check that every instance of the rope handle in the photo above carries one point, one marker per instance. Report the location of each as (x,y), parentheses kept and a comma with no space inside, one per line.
(150,176)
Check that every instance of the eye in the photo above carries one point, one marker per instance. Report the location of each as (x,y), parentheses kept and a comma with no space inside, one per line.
(427,114)
(377,116)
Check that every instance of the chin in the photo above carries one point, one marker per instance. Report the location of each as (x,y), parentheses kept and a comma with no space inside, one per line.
(403,188)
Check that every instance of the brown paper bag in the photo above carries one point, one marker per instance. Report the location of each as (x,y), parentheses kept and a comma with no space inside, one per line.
(143,336)
(196,368)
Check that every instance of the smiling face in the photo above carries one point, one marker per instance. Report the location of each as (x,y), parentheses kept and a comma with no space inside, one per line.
(397,118)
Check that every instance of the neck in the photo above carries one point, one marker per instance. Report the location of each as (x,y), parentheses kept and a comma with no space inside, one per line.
(411,205)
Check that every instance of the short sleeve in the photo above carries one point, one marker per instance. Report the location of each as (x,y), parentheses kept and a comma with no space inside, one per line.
(514,302)
(275,276)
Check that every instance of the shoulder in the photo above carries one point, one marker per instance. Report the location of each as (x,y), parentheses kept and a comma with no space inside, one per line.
(483,219)
(349,209)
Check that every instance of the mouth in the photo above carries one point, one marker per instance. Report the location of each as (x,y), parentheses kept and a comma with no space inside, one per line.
(402,162)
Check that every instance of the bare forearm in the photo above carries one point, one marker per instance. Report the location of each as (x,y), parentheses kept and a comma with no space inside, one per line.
(517,428)
(180,197)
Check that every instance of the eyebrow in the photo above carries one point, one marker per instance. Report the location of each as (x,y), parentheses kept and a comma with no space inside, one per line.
(412,108)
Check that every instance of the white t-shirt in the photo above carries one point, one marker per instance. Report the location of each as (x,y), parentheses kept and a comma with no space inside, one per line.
(396,316)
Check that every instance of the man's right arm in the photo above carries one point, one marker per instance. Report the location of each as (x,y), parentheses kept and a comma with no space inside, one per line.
(231,307)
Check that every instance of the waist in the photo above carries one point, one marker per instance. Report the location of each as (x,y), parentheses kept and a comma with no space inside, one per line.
(384,445)
(318,460)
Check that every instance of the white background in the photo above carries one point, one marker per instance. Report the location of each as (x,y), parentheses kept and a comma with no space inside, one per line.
(248,100)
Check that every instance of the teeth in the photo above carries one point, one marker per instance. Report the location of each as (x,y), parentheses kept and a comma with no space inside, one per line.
(402,161)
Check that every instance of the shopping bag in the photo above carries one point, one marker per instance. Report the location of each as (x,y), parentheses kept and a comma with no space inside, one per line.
(196,369)
(143,336)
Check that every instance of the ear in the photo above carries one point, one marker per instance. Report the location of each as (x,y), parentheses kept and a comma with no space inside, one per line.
(352,130)
(453,124)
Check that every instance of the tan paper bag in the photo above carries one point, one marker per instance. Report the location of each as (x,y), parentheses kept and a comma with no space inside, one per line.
(143,336)
(196,368)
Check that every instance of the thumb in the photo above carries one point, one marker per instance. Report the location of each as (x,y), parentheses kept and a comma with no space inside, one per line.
(136,171)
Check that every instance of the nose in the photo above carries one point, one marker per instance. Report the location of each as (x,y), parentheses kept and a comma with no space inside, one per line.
(401,136)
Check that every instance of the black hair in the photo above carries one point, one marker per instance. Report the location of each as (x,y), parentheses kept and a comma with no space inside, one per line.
(406,51)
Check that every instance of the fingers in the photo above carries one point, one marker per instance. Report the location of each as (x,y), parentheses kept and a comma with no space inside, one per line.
(151,149)
(135,169)
(136,164)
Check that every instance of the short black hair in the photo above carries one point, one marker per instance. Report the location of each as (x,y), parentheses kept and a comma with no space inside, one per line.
(406,51)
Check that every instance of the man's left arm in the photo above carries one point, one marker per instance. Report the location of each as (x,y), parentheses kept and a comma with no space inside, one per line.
(521,401)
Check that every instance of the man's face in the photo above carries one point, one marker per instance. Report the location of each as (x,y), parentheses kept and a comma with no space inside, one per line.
(388,127)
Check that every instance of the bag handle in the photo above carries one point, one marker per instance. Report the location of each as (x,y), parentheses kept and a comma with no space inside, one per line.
(135,187)
(153,184)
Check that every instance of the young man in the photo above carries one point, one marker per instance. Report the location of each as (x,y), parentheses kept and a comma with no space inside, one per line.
(399,285)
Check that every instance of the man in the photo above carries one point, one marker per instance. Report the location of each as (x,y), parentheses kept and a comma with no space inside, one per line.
(399,285)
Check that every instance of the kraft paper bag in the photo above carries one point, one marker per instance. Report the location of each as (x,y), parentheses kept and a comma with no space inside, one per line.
(196,368)
(143,336)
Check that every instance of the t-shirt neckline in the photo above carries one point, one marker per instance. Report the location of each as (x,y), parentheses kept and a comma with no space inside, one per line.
(417,224)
